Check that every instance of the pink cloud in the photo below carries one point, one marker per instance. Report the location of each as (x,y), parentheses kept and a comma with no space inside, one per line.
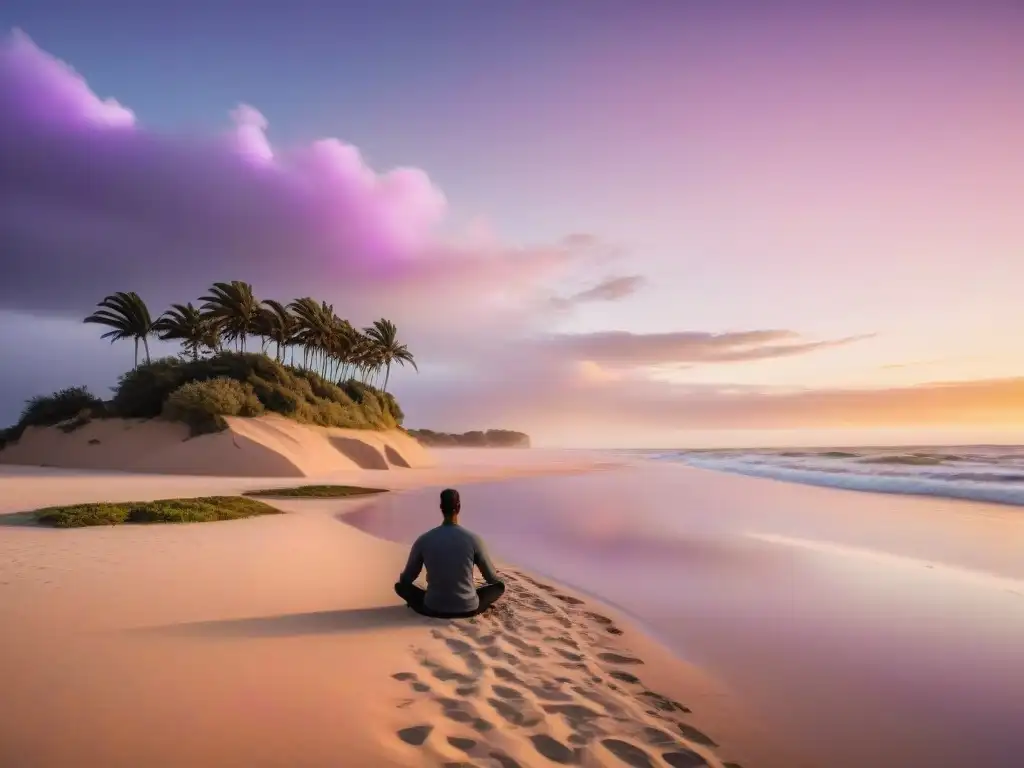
(619,348)
(96,201)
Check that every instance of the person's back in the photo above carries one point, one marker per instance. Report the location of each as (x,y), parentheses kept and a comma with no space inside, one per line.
(449,553)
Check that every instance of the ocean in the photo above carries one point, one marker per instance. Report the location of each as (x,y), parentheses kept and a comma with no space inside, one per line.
(991,473)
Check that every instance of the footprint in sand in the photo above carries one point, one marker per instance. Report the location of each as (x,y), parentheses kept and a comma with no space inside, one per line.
(697,737)
(445,674)
(554,750)
(515,712)
(568,655)
(662,703)
(507,675)
(610,706)
(496,653)
(575,714)
(684,758)
(629,754)
(504,760)
(625,677)
(459,711)
(506,692)
(465,651)
(416,735)
(658,738)
(524,647)
(466,745)
(567,598)
(549,690)
(618,658)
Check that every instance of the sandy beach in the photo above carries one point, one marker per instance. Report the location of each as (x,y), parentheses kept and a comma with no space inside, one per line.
(278,641)
(657,615)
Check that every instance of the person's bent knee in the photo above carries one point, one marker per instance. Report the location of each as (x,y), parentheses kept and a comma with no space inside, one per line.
(404,591)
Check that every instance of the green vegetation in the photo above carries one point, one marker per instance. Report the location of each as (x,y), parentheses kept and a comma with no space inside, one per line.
(492,438)
(316,491)
(70,408)
(323,371)
(202,510)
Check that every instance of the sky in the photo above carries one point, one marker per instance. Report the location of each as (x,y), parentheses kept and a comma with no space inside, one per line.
(613,224)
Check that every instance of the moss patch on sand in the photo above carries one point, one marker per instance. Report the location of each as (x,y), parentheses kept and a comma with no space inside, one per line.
(315,492)
(201,510)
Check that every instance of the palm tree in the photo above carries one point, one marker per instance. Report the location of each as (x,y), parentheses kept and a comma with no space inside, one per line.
(234,309)
(277,324)
(314,328)
(185,323)
(385,349)
(127,315)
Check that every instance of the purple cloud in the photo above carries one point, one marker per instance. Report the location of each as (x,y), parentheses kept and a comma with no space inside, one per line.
(91,201)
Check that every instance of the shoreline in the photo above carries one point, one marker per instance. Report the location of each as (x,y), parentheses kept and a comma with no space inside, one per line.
(285,596)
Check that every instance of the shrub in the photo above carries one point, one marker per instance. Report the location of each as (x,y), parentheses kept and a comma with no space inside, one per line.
(315,491)
(169,387)
(141,393)
(393,408)
(203,404)
(47,410)
(276,397)
(201,510)
(73,403)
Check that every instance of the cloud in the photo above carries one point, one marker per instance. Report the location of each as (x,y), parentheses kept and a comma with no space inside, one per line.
(611,289)
(551,400)
(92,201)
(620,348)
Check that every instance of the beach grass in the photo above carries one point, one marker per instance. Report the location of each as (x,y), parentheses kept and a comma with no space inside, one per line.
(200,510)
(315,492)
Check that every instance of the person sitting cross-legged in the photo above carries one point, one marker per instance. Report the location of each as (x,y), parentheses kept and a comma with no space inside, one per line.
(449,553)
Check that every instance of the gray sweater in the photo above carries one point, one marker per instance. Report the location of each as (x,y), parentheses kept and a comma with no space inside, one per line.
(449,553)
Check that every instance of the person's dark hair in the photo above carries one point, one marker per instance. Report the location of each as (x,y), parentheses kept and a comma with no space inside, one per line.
(450,502)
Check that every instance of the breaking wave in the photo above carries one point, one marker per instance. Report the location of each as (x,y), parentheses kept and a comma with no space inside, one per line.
(980,473)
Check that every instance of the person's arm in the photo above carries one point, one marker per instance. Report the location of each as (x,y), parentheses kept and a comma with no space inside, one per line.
(483,562)
(414,566)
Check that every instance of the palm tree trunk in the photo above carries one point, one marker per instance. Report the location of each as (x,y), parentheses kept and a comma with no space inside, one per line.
(136,353)
(145,343)
(387,375)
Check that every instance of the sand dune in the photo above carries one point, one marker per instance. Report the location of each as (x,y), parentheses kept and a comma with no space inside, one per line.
(268,446)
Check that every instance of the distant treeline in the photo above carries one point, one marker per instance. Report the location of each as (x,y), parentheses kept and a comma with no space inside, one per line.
(492,438)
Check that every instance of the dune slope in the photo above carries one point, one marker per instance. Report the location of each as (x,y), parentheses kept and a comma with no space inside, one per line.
(267,446)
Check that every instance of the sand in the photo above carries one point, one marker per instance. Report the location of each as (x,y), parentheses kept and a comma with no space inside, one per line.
(278,641)
(267,446)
